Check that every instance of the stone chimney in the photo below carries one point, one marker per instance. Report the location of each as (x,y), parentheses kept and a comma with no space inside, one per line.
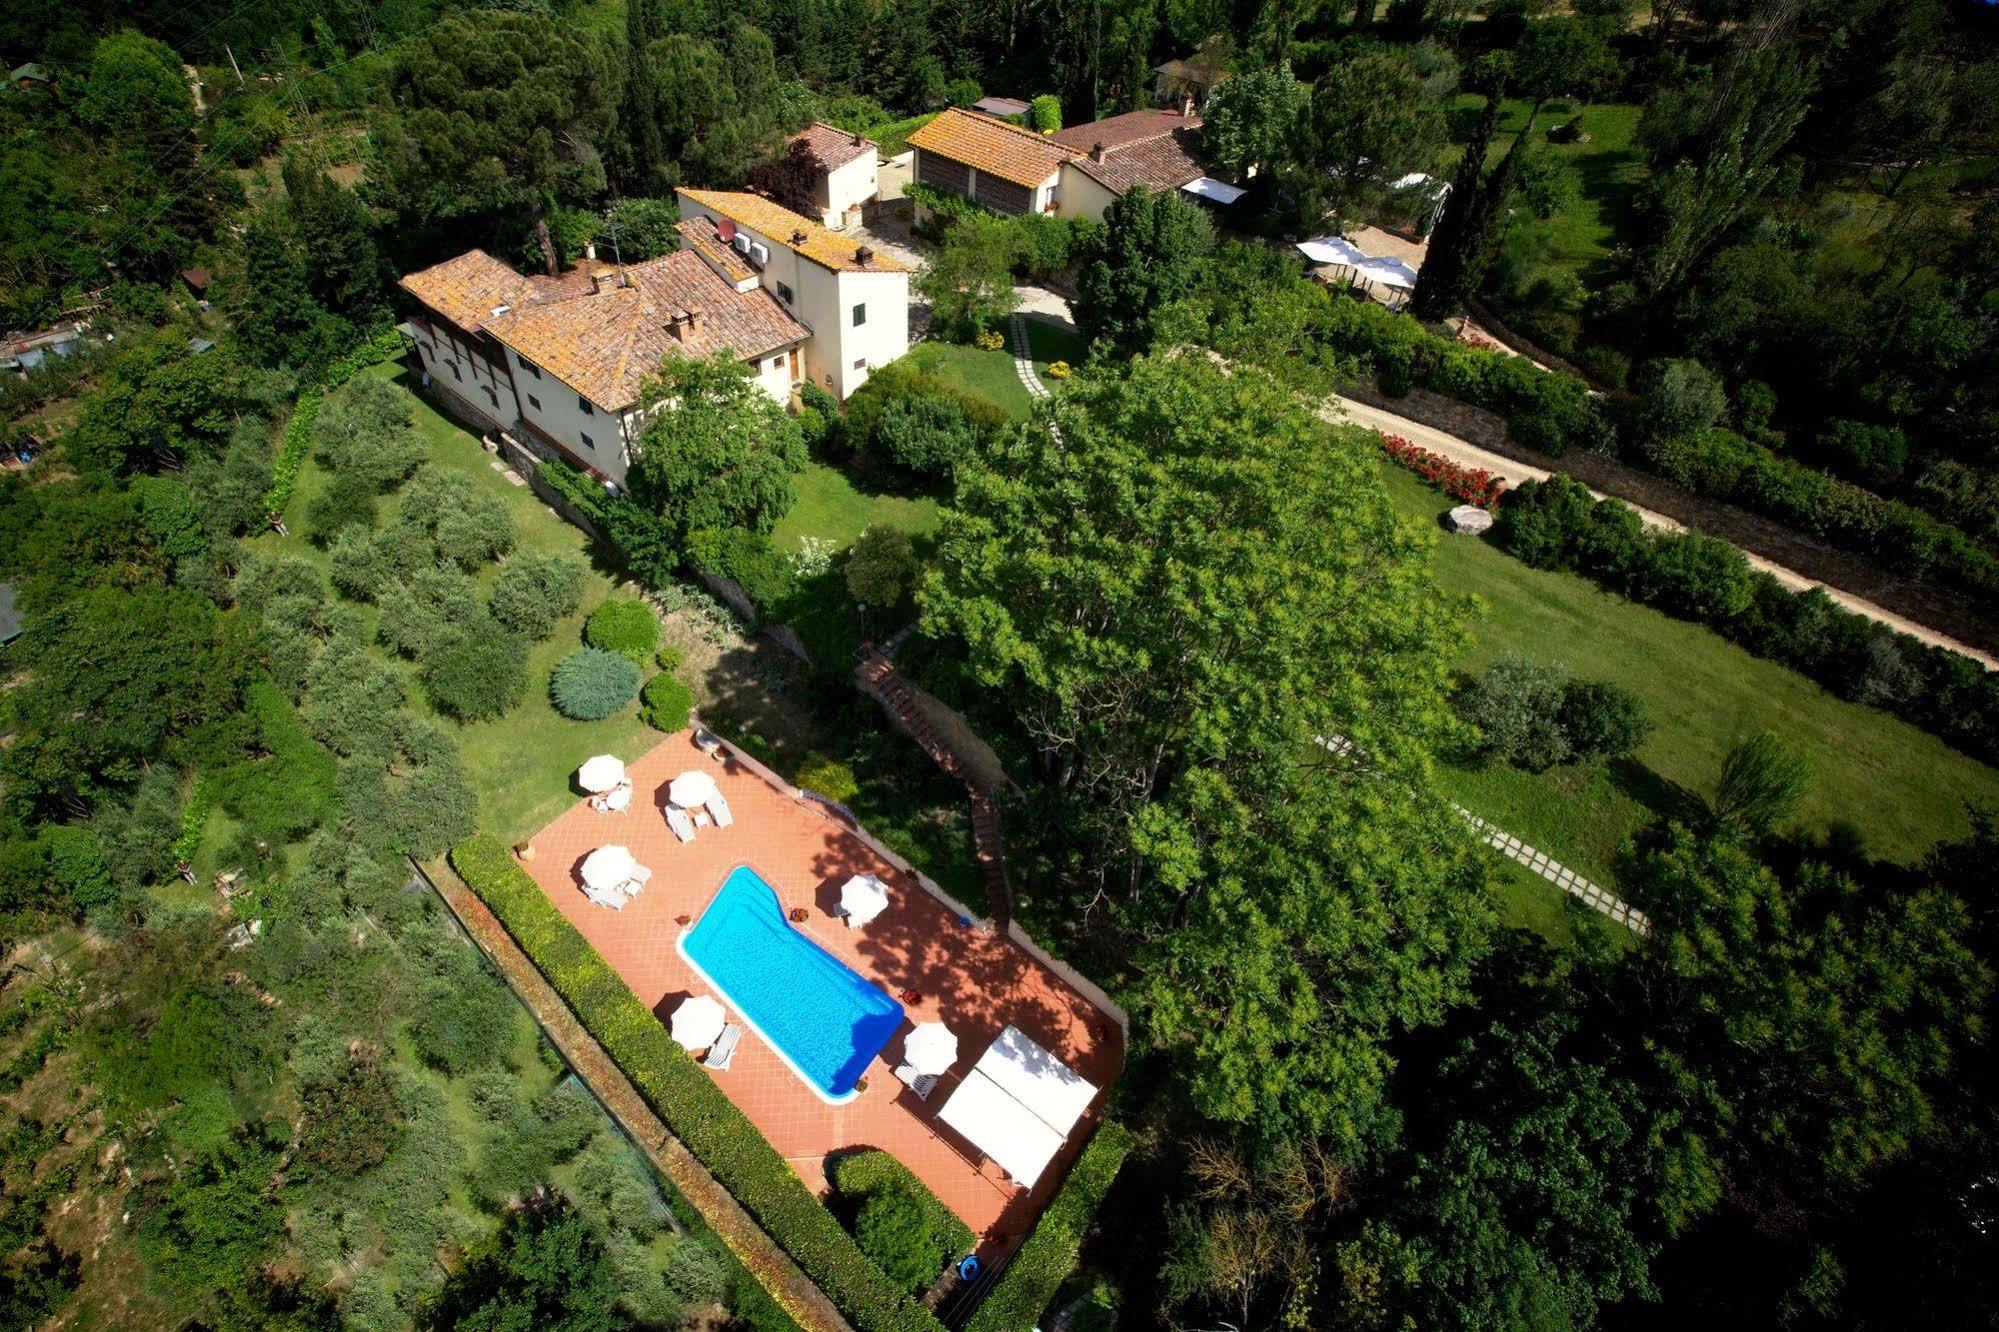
(797,236)
(864,256)
(1096,152)
(857,139)
(683,323)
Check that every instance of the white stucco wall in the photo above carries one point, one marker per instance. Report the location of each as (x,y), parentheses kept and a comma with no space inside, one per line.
(451,359)
(848,187)
(557,410)
(1079,196)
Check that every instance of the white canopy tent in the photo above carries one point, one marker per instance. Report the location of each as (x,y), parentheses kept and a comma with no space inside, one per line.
(1388,272)
(609,867)
(691,789)
(1037,1079)
(1216,191)
(862,898)
(931,1048)
(600,774)
(1332,250)
(1001,1127)
(697,1022)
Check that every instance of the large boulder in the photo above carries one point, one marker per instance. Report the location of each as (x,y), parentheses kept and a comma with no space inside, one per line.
(1469,518)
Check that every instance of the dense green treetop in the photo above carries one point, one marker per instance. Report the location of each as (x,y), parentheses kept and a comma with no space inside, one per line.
(718,452)
(1144,257)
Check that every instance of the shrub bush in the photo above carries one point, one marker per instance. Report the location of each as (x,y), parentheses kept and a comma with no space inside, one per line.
(590,684)
(1600,720)
(715,1131)
(624,626)
(366,430)
(868,1173)
(666,703)
(1045,113)
(345,501)
(475,676)
(881,567)
(1516,705)
(893,1230)
(534,591)
(765,576)
(1048,1254)
(827,776)
(669,657)
(926,435)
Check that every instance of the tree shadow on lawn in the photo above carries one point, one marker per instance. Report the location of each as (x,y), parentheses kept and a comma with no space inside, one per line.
(1666,799)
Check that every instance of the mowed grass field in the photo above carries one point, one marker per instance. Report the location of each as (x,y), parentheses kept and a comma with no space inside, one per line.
(1901,789)
(522,763)
(833,507)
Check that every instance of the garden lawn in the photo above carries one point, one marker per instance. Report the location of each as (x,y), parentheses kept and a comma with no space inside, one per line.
(989,374)
(831,507)
(1901,788)
(520,764)
(1049,343)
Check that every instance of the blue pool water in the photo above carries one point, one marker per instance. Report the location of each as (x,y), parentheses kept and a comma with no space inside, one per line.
(823,1018)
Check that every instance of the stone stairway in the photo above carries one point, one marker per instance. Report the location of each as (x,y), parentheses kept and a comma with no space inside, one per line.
(877,677)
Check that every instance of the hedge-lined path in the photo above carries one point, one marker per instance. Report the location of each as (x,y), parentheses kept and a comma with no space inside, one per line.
(1463,451)
(770,1265)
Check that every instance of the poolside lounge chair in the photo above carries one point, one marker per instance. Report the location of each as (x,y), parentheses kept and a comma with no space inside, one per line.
(723,1052)
(719,808)
(676,819)
(609,897)
(920,1083)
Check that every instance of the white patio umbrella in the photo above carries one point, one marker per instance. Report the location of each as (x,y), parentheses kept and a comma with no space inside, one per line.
(931,1048)
(601,774)
(697,1022)
(608,867)
(863,897)
(1332,250)
(1388,272)
(691,789)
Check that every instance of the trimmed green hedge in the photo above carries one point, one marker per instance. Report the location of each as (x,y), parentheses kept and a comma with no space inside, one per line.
(1048,1254)
(384,346)
(697,1111)
(857,1175)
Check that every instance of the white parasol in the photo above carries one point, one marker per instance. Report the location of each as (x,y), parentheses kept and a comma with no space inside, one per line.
(862,898)
(609,867)
(931,1048)
(601,774)
(697,1022)
(691,789)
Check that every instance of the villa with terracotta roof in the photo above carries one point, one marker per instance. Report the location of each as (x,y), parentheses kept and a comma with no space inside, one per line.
(852,300)
(1005,167)
(846,166)
(1074,172)
(557,362)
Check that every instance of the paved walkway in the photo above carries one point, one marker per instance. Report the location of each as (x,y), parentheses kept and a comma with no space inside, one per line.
(1023,357)
(769,1264)
(1471,455)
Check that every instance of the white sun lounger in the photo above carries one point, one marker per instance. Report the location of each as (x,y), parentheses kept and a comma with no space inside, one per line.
(723,1052)
(676,819)
(719,809)
(920,1083)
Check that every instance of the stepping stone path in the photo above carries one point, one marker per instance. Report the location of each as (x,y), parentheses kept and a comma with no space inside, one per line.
(1023,358)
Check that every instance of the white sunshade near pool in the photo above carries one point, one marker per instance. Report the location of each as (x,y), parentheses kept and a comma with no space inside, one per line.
(608,867)
(1049,1088)
(1019,1140)
(697,1022)
(863,897)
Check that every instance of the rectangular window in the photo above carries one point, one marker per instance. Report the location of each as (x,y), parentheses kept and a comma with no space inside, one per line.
(531,368)
(583,406)
(777,363)
(534,402)
(491,396)
(586,440)
(860,315)
(454,371)
(861,364)
(784,292)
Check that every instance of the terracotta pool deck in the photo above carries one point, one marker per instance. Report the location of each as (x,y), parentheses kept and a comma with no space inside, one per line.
(974,981)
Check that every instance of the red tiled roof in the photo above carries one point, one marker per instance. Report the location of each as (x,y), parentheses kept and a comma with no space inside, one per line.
(698,234)
(833,147)
(1116,131)
(470,289)
(795,232)
(605,341)
(1162,162)
(993,146)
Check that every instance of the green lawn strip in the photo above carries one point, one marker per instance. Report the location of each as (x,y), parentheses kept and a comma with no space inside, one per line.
(519,763)
(859,1175)
(1529,902)
(833,508)
(989,374)
(1048,343)
(1048,1254)
(698,1112)
(1901,788)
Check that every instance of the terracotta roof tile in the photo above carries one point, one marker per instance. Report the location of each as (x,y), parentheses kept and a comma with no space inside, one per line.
(603,331)
(1116,131)
(1162,162)
(833,147)
(828,249)
(993,146)
(699,234)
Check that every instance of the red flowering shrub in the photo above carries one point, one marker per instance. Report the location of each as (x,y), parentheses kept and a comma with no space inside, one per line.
(1467,485)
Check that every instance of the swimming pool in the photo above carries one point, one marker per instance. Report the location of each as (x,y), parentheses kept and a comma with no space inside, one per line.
(823,1018)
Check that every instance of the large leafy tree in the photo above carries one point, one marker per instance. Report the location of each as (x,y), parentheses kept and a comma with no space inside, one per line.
(1146,255)
(545,1270)
(500,114)
(710,108)
(719,452)
(1251,121)
(1180,578)
(1370,123)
